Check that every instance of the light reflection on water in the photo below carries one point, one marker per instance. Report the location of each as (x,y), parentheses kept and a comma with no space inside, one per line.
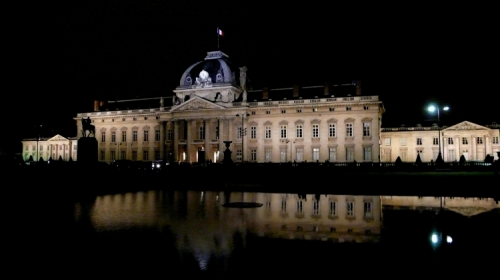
(214,236)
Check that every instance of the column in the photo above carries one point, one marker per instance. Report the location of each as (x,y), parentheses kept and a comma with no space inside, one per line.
(487,146)
(208,138)
(457,148)
(189,141)
(472,147)
(230,127)
(175,142)
(162,140)
(222,146)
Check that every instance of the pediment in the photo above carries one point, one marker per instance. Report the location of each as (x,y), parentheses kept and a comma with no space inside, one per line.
(197,103)
(57,138)
(465,125)
(468,211)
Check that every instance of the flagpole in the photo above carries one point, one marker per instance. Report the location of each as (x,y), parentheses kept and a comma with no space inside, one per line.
(218,37)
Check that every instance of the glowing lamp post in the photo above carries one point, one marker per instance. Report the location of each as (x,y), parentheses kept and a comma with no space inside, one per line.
(433,108)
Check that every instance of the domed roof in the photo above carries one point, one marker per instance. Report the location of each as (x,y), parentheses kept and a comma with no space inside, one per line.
(218,68)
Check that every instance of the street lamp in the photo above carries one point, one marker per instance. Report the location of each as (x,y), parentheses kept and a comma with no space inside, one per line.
(243,132)
(38,139)
(433,108)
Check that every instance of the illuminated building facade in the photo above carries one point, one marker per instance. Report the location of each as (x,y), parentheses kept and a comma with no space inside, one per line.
(471,140)
(55,147)
(333,122)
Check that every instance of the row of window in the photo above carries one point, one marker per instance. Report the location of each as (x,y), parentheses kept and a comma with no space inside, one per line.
(40,148)
(299,154)
(299,110)
(435,141)
(134,136)
(332,209)
(123,155)
(299,131)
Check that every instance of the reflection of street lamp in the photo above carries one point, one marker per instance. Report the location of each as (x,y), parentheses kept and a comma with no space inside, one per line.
(243,132)
(287,141)
(433,108)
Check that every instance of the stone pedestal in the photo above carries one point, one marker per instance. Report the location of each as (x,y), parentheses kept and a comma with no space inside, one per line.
(87,150)
(227,153)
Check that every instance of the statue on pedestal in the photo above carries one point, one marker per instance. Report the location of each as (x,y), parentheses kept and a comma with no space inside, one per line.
(87,126)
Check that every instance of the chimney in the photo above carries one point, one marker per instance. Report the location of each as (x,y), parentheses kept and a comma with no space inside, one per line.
(327,89)
(265,93)
(295,91)
(358,87)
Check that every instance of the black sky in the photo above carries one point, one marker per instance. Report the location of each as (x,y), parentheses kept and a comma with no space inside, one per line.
(410,54)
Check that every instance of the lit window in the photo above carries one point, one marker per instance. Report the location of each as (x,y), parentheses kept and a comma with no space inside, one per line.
(402,141)
(387,141)
(315,154)
(367,153)
(366,129)
(332,154)
(299,155)
(268,155)
(349,153)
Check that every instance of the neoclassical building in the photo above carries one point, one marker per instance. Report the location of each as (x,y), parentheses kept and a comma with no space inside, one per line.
(212,105)
(46,148)
(471,140)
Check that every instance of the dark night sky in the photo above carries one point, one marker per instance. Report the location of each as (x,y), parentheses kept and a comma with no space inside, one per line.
(409,54)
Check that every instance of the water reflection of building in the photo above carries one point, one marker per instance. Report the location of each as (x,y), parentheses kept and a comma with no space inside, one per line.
(467,206)
(198,219)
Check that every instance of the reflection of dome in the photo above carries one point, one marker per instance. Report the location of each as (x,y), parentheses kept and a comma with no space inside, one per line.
(216,65)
